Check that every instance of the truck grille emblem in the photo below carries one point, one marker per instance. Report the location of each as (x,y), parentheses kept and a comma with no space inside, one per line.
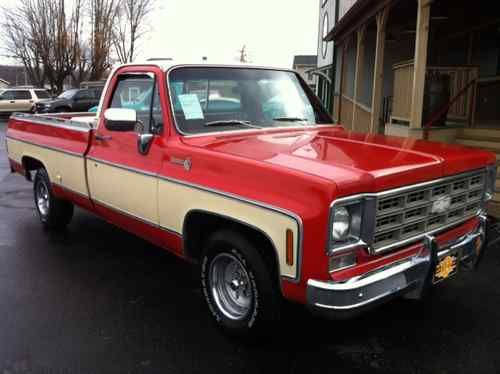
(441,205)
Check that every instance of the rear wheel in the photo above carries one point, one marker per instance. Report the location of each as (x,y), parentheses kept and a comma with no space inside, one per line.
(238,285)
(53,212)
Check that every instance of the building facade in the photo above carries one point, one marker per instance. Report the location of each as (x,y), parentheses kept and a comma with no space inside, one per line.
(324,70)
(419,69)
(14,75)
(305,65)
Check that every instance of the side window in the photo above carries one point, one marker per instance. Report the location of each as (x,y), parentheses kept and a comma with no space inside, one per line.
(22,95)
(138,92)
(42,94)
(82,95)
(96,93)
(7,95)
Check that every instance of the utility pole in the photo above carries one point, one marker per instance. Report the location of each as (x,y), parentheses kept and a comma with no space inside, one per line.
(243,54)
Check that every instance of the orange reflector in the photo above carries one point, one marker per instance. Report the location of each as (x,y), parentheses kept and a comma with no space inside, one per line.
(289,247)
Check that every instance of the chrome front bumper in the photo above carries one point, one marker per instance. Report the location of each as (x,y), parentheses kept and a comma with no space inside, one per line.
(409,277)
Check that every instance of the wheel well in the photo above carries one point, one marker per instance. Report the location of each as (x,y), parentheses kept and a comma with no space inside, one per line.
(30,164)
(199,225)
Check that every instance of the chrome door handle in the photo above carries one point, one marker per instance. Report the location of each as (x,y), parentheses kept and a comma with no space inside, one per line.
(103,137)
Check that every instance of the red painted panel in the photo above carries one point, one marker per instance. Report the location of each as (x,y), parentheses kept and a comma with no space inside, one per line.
(78,199)
(60,138)
(17,167)
(159,237)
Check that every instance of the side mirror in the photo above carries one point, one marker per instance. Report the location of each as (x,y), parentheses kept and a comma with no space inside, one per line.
(120,119)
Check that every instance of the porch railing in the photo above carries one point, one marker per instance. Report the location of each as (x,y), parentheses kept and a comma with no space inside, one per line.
(462,109)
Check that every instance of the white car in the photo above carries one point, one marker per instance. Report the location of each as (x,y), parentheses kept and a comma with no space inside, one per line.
(21,99)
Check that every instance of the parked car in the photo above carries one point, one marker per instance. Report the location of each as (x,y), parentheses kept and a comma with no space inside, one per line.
(74,100)
(21,99)
(269,196)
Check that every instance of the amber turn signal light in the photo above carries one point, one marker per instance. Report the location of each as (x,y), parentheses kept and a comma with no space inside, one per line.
(289,247)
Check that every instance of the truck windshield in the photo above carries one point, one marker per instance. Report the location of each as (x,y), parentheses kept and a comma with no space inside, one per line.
(209,99)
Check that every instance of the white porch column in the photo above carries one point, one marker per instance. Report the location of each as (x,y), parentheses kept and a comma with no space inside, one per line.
(378,73)
(421,44)
(358,75)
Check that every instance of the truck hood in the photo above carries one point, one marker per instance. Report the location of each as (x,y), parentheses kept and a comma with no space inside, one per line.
(355,162)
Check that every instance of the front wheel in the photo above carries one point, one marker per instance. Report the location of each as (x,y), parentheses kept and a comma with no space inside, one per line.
(238,284)
(53,212)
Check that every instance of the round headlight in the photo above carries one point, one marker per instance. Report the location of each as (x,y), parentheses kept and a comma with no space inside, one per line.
(341,223)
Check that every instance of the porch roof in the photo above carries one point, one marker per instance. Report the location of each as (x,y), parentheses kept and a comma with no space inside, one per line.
(358,14)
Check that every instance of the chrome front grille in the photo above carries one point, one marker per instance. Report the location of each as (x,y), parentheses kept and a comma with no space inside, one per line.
(403,215)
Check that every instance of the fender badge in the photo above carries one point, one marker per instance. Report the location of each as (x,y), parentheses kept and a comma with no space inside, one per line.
(186,163)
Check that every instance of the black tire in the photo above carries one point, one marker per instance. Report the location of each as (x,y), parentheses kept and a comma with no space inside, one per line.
(56,213)
(61,110)
(263,310)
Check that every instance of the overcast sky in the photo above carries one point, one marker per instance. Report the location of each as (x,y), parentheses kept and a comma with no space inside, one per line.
(273,30)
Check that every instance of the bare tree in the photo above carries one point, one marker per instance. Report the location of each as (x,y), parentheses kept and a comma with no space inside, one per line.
(130,27)
(102,17)
(55,41)
(44,39)
(51,38)
(20,45)
(81,46)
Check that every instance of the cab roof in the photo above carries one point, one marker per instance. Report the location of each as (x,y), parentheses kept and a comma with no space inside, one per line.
(167,64)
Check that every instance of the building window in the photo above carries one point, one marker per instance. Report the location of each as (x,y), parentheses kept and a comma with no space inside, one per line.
(324,46)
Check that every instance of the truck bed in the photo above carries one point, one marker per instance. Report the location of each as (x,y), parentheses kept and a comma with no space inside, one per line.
(58,141)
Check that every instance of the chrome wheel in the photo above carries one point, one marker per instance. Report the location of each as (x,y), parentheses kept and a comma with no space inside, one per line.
(230,286)
(42,198)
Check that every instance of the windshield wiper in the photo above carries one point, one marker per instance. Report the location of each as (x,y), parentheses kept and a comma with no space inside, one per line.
(232,122)
(290,119)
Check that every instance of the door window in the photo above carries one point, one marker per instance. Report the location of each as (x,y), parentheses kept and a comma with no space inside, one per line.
(42,94)
(22,95)
(96,93)
(139,92)
(82,95)
(7,95)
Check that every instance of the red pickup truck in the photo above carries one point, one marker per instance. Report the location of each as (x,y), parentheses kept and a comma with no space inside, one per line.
(241,170)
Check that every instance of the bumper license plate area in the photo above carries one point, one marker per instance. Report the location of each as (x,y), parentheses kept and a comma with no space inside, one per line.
(447,266)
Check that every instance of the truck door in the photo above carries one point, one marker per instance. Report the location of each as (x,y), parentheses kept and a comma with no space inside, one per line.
(123,181)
